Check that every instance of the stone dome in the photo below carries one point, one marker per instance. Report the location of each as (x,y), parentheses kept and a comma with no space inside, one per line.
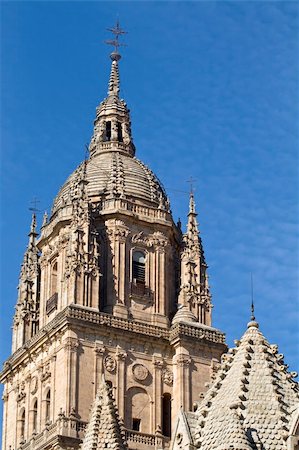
(114,175)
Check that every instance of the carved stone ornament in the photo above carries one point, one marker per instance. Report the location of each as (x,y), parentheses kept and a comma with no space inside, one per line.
(140,372)
(33,385)
(168,377)
(110,363)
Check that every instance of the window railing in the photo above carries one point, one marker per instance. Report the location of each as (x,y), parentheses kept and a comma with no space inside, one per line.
(140,289)
(51,303)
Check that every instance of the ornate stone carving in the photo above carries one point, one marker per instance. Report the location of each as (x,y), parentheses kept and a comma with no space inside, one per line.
(46,373)
(110,363)
(33,385)
(158,363)
(100,349)
(183,360)
(140,372)
(156,239)
(168,377)
(21,392)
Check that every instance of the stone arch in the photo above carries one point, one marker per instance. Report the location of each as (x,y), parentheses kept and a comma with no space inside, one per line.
(54,277)
(138,410)
(33,414)
(21,425)
(47,405)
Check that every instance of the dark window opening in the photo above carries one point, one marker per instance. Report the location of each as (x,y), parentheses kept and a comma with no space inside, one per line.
(22,431)
(54,272)
(108,131)
(48,404)
(119,132)
(136,424)
(34,422)
(138,267)
(166,415)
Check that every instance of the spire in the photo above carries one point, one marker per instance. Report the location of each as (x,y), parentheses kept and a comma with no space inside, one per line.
(27,308)
(33,234)
(112,126)
(113,88)
(194,291)
(192,227)
(252,322)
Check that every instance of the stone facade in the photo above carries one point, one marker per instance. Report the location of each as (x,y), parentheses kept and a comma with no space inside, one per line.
(110,287)
(112,333)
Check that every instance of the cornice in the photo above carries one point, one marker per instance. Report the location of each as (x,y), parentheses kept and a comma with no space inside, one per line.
(74,314)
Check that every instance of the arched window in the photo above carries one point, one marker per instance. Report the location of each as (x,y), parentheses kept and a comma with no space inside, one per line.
(34,416)
(138,267)
(166,415)
(21,425)
(138,410)
(48,405)
(54,271)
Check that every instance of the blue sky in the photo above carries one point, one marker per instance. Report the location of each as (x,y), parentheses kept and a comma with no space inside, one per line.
(213,92)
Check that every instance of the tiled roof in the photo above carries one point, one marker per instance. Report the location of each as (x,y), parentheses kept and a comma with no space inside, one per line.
(104,429)
(251,401)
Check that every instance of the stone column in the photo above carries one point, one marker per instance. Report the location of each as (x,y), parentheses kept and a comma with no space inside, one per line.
(121,381)
(157,394)
(71,349)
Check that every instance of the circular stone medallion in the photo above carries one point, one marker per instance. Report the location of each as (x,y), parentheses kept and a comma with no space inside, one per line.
(140,372)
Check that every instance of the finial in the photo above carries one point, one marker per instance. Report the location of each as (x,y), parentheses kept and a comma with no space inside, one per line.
(252,318)
(191,204)
(252,322)
(191,181)
(34,203)
(33,224)
(45,219)
(33,234)
(117,31)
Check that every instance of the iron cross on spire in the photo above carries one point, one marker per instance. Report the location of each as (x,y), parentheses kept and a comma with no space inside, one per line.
(191,181)
(34,203)
(117,31)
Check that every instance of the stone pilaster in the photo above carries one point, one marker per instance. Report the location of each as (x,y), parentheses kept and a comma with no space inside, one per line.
(182,381)
(71,348)
(157,393)
(121,381)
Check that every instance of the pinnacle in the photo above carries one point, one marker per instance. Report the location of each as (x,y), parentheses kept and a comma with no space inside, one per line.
(113,88)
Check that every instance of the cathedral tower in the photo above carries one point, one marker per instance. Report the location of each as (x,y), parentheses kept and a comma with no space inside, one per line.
(111,287)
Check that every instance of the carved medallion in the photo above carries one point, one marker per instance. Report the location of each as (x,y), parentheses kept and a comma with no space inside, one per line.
(140,372)
(110,363)
(168,377)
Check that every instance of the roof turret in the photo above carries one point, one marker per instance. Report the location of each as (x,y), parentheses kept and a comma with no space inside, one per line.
(104,429)
(112,126)
(252,399)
